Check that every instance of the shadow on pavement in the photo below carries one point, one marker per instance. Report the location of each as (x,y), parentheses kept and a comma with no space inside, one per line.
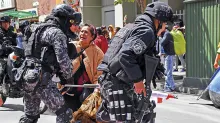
(208,104)
(203,104)
(13,107)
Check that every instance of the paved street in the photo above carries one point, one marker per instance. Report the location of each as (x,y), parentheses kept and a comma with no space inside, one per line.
(186,109)
(13,109)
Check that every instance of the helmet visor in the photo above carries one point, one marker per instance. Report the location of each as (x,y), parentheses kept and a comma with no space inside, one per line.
(73,22)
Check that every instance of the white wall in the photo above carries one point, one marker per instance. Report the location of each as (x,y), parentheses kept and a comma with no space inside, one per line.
(119,16)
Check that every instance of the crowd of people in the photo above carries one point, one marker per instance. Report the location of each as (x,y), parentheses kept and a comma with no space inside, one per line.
(75,52)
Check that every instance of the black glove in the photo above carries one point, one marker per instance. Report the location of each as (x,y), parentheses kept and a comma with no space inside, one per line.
(65,90)
(117,100)
(64,81)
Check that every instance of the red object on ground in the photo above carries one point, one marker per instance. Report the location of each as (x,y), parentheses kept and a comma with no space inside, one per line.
(170,96)
(158,97)
(159,100)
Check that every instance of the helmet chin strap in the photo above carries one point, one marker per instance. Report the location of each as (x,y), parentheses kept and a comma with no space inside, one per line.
(67,24)
(159,26)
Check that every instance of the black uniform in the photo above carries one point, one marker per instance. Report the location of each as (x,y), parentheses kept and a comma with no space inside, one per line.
(8,37)
(125,63)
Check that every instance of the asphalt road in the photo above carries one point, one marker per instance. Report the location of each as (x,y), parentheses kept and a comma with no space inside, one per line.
(186,109)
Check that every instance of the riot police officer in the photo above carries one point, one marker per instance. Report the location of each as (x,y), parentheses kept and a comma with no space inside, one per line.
(23,29)
(6,35)
(5,32)
(129,59)
(46,54)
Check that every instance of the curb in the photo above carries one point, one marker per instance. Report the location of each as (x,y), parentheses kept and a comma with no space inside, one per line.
(175,77)
(180,88)
(190,91)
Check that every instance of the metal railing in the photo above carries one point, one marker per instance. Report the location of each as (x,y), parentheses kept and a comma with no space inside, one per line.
(180,14)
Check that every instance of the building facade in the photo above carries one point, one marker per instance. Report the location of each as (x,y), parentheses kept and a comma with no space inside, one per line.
(39,7)
(104,12)
(7,5)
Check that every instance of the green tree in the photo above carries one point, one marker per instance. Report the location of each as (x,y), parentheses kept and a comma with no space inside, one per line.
(141,3)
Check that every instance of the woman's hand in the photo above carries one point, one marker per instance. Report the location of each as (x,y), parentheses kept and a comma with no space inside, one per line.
(217,58)
(96,90)
(216,66)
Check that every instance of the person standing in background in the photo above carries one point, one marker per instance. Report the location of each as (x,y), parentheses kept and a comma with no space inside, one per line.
(106,35)
(179,47)
(101,41)
(111,31)
(116,29)
(168,46)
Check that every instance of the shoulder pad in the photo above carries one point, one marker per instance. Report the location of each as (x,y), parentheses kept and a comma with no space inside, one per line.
(34,27)
(124,31)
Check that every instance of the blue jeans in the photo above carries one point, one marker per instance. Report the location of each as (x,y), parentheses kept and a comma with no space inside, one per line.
(182,60)
(169,81)
(19,42)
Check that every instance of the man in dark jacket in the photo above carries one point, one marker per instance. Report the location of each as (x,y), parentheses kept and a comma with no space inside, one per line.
(46,51)
(6,35)
(123,65)
(168,46)
(5,32)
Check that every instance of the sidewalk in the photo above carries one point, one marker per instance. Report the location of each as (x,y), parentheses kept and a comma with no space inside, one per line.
(179,79)
(176,75)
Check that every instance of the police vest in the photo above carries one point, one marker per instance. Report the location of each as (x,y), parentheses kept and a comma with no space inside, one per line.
(33,47)
(116,45)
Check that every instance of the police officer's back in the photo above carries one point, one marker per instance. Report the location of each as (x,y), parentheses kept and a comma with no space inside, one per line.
(125,63)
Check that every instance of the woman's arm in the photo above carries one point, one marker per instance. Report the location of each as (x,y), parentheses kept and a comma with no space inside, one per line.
(216,61)
(97,73)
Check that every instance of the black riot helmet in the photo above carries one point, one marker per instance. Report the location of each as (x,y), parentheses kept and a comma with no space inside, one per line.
(23,24)
(5,19)
(67,12)
(160,11)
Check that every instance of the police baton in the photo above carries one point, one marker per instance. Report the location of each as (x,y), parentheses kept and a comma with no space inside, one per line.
(83,86)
